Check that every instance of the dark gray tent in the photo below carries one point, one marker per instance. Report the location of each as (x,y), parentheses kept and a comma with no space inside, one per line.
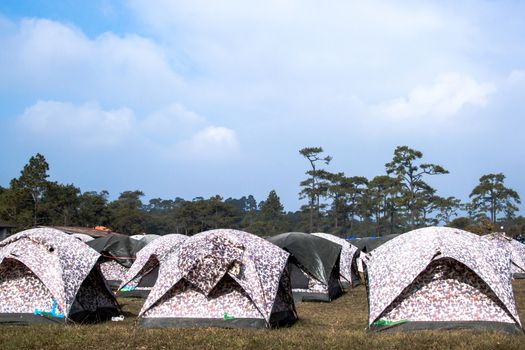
(313,265)
(118,254)
(367,244)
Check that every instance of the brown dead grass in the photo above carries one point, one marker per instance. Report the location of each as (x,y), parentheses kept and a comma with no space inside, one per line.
(337,325)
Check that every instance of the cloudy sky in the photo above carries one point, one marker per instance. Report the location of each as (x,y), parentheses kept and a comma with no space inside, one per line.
(197,98)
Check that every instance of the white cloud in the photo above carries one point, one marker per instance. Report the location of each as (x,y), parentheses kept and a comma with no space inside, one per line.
(292,53)
(211,143)
(517,76)
(174,131)
(86,125)
(47,57)
(445,98)
(172,120)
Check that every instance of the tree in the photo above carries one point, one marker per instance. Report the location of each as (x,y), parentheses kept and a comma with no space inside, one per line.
(491,196)
(60,204)
(33,182)
(410,175)
(93,209)
(244,204)
(127,215)
(15,211)
(271,215)
(381,200)
(347,194)
(314,187)
(218,214)
(447,208)
(160,216)
(337,191)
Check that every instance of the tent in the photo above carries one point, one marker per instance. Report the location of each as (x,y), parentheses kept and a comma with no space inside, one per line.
(47,276)
(142,275)
(367,244)
(149,238)
(313,265)
(516,250)
(96,232)
(348,264)
(440,278)
(118,253)
(223,278)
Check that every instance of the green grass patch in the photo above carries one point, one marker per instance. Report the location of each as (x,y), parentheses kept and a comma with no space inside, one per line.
(337,325)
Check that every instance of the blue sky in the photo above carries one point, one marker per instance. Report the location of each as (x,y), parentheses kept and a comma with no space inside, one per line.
(197,98)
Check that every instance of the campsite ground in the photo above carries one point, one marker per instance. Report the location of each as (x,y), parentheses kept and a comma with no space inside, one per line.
(338,325)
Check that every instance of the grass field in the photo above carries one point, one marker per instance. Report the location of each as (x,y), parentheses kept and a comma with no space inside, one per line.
(337,325)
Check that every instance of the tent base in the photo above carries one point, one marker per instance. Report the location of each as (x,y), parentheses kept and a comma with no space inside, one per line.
(282,319)
(29,319)
(113,284)
(136,293)
(305,296)
(449,325)
(345,284)
(181,322)
(101,315)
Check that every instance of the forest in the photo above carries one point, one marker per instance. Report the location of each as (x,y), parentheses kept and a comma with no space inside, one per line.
(396,201)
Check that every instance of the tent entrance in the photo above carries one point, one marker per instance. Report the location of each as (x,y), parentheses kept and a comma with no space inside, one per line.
(446,291)
(21,291)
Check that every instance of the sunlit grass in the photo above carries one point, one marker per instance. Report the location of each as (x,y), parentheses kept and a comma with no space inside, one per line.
(338,325)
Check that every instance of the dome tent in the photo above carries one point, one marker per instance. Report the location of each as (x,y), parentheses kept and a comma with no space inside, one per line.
(149,238)
(348,262)
(146,238)
(223,278)
(516,250)
(440,278)
(142,275)
(47,276)
(313,265)
(118,252)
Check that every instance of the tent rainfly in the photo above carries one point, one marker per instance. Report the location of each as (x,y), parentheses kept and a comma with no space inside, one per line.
(47,276)
(440,278)
(142,275)
(348,264)
(367,244)
(313,266)
(516,250)
(222,278)
(118,253)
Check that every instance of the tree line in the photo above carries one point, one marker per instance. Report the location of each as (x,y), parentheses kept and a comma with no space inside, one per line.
(396,201)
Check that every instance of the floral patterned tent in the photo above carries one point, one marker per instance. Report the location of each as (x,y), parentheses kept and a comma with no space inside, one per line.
(47,275)
(440,277)
(142,275)
(516,250)
(223,278)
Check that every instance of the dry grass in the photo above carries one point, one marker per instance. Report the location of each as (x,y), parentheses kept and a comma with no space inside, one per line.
(338,325)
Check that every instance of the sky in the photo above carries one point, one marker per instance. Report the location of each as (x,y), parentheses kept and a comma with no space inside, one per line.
(197,98)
